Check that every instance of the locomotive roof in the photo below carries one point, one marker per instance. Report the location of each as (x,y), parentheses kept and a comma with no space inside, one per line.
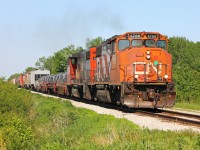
(110,39)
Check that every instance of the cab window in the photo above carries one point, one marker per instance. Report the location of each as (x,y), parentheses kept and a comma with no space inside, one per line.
(73,61)
(149,43)
(137,43)
(107,48)
(161,44)
(113,47)
(123,44)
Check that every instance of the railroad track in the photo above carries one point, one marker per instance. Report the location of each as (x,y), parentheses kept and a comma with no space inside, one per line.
(179,117)
(175,116)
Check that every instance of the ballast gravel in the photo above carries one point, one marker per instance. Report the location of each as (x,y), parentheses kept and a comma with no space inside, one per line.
(141,120)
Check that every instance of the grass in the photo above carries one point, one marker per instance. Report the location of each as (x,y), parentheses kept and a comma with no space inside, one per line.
(30,121)
(65,127)
(189,106)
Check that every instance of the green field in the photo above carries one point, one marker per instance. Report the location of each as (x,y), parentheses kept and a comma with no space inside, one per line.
(30,121)
(188,106)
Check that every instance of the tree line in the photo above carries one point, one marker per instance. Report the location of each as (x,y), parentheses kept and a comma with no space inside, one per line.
(186,68)
(186,65)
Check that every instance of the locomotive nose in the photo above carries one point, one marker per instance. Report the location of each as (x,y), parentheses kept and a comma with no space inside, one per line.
(158,66)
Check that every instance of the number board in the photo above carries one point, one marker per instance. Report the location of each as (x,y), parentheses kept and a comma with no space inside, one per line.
(135,36)
(151,36)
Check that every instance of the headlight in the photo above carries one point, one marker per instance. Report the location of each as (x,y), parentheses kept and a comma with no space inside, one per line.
(136,76)
(166,76)
(148,52)
(148,57)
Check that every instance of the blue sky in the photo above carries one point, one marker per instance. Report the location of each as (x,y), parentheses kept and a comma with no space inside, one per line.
(30,29)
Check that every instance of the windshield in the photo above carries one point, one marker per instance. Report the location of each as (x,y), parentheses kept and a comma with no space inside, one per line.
(137,43)
(149,43)
(161,44)
(123,44)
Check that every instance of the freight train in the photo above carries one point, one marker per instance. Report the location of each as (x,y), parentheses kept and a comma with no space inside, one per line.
(133,69)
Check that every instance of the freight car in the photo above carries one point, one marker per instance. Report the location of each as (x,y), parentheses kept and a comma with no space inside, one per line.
(30,80)
(54,84)
(18,81)
(133,69)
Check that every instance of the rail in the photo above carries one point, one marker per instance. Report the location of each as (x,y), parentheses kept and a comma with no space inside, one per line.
(174,116)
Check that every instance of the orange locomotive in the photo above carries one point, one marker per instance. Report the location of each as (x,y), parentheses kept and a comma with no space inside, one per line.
(133,69)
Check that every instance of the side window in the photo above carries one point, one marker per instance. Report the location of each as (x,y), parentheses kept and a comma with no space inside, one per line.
(123,44)
(73,61)
(37,76)
(107,48)
(113,47)
(161,44)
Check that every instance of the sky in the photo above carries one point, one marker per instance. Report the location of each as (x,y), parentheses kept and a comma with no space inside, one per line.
(30,29)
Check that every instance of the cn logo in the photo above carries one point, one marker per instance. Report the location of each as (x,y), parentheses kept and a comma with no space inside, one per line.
(139,68)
